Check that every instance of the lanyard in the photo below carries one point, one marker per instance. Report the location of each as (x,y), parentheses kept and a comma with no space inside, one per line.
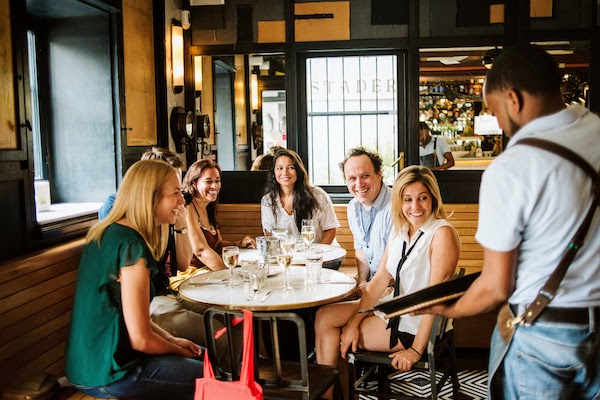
(395,322)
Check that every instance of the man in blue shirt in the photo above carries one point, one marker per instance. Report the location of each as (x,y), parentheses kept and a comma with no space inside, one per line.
(369,212)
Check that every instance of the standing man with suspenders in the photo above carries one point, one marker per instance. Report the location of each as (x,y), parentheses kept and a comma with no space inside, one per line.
(533,210)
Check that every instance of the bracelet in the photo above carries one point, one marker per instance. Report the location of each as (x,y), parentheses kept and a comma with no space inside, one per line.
(182,231)
(413,349)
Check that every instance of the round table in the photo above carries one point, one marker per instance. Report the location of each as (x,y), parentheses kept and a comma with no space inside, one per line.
(213,288)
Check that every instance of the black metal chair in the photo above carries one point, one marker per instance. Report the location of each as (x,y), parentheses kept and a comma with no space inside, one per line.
(279,379)
(367,366)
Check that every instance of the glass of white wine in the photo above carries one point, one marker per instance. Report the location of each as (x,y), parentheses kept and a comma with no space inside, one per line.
(284,260)
(308,235)
(288,243)
(231,255)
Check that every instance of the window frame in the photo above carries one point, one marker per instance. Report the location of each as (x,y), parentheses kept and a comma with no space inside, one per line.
(299,137)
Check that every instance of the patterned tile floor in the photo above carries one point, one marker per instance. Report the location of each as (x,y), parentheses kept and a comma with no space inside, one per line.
(473,385)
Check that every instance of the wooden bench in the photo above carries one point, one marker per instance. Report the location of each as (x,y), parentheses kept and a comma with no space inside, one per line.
(238,220)
(36,298)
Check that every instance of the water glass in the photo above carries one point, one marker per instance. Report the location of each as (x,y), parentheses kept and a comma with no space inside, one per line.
(258,277)
(299,243)
(246,267)
(272,245)
(314,262)
(262,245)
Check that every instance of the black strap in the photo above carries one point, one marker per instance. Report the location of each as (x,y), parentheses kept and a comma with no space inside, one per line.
(548,291)
(394,322)
(172,251)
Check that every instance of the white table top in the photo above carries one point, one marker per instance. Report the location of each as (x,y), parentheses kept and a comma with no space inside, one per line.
(334,286)
(330,254)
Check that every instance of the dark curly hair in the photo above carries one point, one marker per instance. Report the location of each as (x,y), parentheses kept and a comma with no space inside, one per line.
(361,151)
(305,203)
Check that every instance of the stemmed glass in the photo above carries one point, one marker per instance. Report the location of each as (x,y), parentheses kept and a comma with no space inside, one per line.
(288,243)
(230,258)
(284,259)
(279,233)
(308,235)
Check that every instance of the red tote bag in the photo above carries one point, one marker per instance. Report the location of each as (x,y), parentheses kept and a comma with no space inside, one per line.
(209,388)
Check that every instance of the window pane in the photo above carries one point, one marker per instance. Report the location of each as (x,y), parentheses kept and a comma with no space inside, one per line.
(351,101)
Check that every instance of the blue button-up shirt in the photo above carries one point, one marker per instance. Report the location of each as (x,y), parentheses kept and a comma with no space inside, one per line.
(371,228)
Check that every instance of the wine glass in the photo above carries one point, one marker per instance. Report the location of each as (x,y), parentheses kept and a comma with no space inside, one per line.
(230,258)
(288,243)
(308,235)
(284,260)
(308,222)
(279,233)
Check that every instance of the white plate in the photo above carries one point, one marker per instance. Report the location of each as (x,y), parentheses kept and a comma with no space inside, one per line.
(274,270)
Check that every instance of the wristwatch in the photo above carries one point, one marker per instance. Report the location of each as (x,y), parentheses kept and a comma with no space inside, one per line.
(182,231)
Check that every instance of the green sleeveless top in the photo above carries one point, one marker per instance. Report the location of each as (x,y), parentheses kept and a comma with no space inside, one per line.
(98,349)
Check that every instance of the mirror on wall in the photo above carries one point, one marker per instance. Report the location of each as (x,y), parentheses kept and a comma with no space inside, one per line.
(249,107)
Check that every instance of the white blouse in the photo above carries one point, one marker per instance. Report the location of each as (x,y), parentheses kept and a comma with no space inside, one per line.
(324,216)
(416,270)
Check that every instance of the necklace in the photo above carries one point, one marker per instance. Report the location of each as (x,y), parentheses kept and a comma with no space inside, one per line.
(210,229)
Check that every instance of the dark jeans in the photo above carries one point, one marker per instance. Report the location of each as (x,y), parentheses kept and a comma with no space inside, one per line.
(158,377)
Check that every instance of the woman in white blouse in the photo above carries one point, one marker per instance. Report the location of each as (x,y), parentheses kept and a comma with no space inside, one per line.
(289,198)
(422,250)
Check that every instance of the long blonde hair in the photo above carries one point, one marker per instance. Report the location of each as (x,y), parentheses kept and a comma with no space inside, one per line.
(408,176)
(136,200)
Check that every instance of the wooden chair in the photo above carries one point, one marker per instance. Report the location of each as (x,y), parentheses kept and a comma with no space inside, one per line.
(440,356)
(279,379)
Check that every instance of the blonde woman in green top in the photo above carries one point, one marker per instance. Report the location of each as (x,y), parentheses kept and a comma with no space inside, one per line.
(114,349)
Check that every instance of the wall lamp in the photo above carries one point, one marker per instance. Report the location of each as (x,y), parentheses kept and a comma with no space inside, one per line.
(254,91)
(197,76)
(177,56)
(489,56)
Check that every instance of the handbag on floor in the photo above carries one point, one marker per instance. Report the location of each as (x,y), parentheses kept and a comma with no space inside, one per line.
(34,386)
(209,388)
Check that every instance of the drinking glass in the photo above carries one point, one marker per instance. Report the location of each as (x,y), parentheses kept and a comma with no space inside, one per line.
(279,232)
(314,262)
(231,255)
(308,222)
(308,234)
(284,260)
(288,244)
(262,245)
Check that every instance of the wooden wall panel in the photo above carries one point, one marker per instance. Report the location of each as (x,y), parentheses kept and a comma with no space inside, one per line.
(140,86)
(8,122)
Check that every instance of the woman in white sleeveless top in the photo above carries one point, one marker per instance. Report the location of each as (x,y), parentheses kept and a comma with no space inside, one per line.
(426,248)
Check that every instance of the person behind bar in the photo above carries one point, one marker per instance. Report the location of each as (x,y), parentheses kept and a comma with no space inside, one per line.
(369,212)
(434,153)
(422,250)
(114,349)
(531,204)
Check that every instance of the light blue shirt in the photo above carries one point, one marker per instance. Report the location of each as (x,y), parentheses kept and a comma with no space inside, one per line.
(371,239)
